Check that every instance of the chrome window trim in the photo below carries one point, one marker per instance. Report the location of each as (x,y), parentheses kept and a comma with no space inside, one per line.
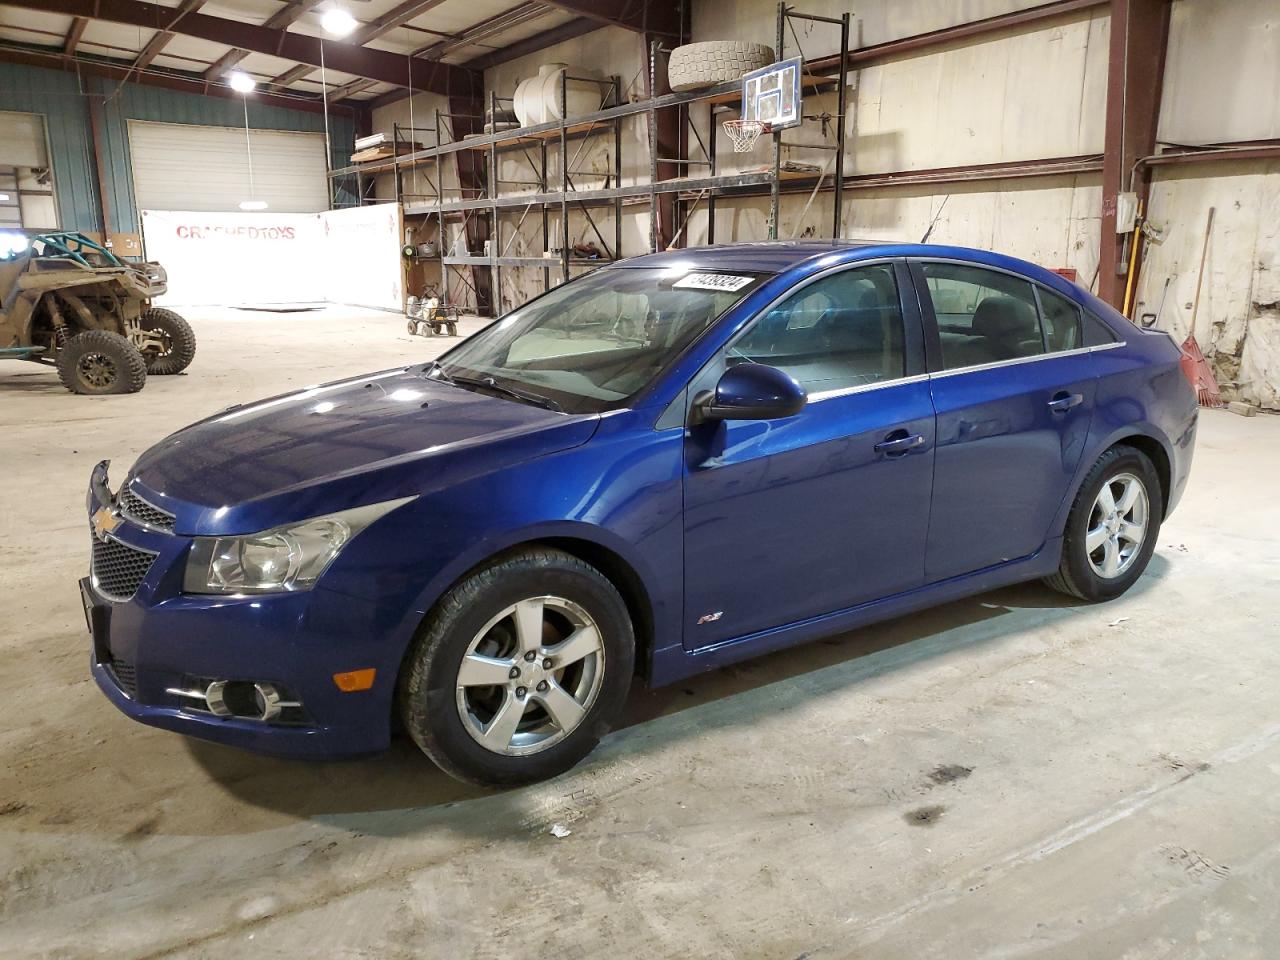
(866,387)
(996,364)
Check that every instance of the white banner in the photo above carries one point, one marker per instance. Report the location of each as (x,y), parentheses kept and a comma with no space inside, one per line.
(235,259)
(360,250)
(260,259)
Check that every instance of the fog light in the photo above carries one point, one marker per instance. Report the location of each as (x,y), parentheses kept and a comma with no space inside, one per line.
(267,699)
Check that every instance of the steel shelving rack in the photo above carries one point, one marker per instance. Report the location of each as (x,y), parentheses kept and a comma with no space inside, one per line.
(564,195)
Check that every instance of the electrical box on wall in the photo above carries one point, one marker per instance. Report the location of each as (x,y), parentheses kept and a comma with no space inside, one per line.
(1126,212)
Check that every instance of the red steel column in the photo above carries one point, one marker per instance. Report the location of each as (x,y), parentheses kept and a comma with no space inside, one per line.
(1135,75)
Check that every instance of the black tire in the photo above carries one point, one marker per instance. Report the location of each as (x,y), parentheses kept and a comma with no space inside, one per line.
(695,66)
(99,362)
(1076,576)
(427,687)
(180,341)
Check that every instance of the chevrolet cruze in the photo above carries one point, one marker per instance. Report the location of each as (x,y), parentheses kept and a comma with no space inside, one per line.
(670,464)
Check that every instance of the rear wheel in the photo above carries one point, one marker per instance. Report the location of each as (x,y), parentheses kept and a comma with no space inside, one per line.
(520,669)
(101,362)
(177,341)
(1112,529)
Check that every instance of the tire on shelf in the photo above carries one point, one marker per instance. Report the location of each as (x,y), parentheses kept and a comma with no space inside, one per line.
(696,66)
(100,362)
(179,338)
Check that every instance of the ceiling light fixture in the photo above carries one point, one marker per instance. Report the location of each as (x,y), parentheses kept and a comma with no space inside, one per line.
(253,205)
(241,82)
(337,22)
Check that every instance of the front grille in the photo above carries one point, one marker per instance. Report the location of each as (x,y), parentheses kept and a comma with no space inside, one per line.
(124,674)
(117,568)
(133,506)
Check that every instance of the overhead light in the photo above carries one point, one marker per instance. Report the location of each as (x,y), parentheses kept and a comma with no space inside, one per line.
(337,22)
(253,204)
(12,243)
(3,197)
(241,82)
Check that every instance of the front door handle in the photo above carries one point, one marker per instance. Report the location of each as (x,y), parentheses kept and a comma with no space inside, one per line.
(898,443)
(1062,402)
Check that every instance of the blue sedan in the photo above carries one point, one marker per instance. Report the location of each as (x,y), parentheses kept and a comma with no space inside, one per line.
(668,465)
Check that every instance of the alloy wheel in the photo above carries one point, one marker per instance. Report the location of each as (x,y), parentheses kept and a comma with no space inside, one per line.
(96,370)
(1117,526)
(530,675)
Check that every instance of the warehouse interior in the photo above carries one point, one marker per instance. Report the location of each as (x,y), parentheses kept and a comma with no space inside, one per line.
(339,186)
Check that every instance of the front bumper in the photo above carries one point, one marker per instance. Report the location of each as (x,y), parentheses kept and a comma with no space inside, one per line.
(153,643)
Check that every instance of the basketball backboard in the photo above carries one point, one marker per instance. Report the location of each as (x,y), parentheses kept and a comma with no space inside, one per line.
(772,94)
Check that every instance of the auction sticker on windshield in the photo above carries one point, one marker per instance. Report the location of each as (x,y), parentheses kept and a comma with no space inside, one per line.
(712,281)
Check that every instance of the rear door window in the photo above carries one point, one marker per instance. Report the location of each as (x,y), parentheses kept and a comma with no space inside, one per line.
(1061,321)
(984,316)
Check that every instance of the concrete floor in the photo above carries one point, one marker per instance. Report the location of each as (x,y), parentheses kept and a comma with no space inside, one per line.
(1009,776)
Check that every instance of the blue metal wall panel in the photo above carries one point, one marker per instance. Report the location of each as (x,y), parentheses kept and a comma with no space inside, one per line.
(61,98)
(58,97)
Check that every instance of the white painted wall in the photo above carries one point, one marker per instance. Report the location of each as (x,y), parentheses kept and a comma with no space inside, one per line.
(1222,72)
(1238,325)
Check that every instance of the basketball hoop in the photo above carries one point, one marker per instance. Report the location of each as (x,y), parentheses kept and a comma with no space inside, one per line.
(745,133)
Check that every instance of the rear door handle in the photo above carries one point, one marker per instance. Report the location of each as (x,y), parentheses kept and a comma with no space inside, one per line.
(1062,402)
(898,443)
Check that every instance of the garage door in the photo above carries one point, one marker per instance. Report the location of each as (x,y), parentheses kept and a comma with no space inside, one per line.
(180,166)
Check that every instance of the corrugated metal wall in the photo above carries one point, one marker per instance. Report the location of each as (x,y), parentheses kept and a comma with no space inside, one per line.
(62,98)
(57,96)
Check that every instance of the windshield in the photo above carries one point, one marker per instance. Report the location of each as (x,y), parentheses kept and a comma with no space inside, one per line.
(592,344)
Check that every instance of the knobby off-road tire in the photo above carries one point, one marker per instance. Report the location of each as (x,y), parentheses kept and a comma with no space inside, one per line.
(696,66)
(99,362)
(1096,565)
(179,337)
(442,712)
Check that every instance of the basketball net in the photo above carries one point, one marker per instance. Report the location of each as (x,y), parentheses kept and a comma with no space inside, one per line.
(744,133)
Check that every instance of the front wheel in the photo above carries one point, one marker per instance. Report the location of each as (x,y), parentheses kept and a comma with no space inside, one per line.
(1112,529)
(519,670)
(101,362)
(176,346)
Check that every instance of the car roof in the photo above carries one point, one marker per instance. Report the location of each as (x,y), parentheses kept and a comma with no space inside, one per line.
(769,256)
(780,256)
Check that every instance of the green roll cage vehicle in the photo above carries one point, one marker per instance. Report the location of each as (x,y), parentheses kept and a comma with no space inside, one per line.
(70,302)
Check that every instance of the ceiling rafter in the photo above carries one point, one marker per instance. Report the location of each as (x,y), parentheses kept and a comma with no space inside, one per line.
(347,89)
(280,20)
(74,33)
(162,37)
(499,23)
(640,16)
(568,30)
(395,17)
(357,61)
(53,58)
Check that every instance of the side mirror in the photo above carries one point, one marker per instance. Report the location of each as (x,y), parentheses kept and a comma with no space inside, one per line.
(750,391)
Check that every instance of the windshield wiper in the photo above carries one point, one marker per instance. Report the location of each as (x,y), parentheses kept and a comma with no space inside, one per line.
(524,396)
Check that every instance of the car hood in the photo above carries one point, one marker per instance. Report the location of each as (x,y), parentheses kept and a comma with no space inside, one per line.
(330,447)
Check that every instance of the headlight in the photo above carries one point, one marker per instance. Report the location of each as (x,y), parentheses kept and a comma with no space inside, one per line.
(284,558)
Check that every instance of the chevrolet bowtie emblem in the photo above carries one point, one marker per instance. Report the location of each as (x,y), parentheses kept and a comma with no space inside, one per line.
(105,521)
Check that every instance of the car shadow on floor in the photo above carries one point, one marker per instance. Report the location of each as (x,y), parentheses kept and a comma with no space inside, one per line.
(358,794)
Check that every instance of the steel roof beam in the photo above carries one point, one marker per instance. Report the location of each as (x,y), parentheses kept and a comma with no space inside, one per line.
(358,61)
(395,17)
(280,20)
(641,16)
